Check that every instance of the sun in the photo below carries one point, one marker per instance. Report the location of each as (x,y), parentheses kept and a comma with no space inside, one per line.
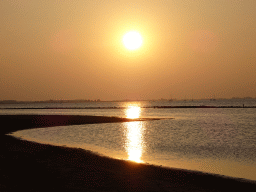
(132,40)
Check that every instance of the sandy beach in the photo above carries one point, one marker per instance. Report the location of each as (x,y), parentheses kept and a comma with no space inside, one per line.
(30,166)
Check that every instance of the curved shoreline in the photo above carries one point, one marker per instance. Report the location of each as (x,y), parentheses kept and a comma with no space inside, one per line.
(24,165)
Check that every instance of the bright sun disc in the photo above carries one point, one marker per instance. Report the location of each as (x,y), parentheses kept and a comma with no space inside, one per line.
(132,40)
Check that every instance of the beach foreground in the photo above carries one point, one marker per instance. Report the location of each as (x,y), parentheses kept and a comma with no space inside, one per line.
(31,166)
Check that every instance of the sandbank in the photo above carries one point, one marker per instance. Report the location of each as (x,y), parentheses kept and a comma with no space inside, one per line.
(30,166)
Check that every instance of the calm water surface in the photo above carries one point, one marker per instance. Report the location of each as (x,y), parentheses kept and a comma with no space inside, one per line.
(216,140)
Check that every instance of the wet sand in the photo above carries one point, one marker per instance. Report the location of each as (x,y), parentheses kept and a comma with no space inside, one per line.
(30,166)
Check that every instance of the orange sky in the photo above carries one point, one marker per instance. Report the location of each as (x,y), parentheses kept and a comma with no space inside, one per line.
(61,49)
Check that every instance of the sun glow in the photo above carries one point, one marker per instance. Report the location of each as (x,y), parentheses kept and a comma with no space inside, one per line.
(132,40)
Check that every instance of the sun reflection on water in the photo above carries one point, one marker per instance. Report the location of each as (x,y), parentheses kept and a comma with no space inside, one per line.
(134,135)
(133,112)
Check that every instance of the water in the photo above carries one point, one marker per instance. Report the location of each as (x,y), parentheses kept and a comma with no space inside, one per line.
(215,140)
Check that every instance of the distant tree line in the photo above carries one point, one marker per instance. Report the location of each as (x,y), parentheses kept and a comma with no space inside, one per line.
(97,100)
(50,101)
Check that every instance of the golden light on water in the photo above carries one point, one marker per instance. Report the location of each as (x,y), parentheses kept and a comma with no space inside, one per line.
(134,135)
(133,112)
(134,144)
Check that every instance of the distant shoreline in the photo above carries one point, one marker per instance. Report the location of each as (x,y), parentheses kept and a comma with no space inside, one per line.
(126,100)
(200,106)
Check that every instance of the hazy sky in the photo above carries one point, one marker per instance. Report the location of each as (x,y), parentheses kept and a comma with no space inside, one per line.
(65,49)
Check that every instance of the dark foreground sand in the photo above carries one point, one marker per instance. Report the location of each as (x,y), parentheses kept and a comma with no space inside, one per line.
(28,166)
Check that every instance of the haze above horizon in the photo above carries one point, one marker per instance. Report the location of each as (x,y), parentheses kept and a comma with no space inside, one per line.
(68,50)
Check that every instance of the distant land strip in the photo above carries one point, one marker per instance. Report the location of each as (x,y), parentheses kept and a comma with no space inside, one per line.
(201,106)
